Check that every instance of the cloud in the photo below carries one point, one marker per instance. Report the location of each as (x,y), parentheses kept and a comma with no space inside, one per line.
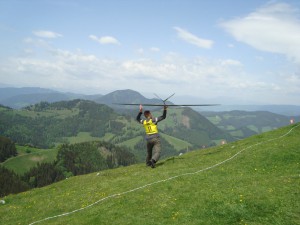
(231,62)
(88,73)
(154,49)
(193,39)
(105,40)
(272,28)
(77,70)
(140,51)
(46,34)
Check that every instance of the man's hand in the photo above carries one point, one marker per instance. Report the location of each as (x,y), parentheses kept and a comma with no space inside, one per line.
(165,107)
(141,108)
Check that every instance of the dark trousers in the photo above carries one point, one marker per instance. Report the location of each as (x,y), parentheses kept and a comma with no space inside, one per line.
(153,149)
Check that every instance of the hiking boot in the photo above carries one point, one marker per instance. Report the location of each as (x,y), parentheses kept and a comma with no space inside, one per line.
(152,163)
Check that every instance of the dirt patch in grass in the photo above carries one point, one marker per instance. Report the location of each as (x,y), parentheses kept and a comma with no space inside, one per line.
(37,158)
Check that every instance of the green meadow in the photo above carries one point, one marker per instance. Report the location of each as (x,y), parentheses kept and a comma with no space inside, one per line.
(28,157)
(82,137)
(254,181)
(178,144)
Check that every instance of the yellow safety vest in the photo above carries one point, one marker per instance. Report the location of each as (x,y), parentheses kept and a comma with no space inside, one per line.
(150,127)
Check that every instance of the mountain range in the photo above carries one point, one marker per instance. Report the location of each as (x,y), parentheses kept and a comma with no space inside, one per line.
(45,125)
(239,121)
(21,97)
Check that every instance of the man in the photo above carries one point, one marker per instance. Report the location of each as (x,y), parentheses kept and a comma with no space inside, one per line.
(152,136)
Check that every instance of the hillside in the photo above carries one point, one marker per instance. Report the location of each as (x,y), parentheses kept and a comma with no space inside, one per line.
(46,125)
(29,157)
(253,181)
(242,124)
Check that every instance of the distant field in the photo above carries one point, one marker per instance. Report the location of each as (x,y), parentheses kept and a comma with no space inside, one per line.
(130,143)
(82,137)
(253,128)
(61,114)
(107,137)
(237,133)
(24,161)
(241,124)
(176,143)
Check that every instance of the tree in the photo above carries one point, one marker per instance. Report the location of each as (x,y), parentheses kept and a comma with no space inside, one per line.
(10,182)
(80,158)
(7,149)
(43,174)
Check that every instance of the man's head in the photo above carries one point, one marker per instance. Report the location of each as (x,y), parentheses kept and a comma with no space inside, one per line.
(147,114)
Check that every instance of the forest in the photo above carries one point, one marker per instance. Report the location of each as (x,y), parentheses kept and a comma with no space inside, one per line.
(117,139)
(72,160)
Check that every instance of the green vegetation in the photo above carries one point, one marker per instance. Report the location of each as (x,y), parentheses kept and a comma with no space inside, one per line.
(82,137)
(37,170)
(131,142)
(47,125)
(24,161)
(44,125)
(10,182)
(253,181)
(178,144)
(241,124)
(7,149)
(193,128)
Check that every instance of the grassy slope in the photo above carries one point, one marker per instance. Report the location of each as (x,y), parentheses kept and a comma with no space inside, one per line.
(131,142)
(177,143)
(82,137)
(24,161)
(258,186)
(256,122)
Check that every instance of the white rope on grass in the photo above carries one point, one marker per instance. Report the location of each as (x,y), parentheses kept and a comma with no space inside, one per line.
(161,181)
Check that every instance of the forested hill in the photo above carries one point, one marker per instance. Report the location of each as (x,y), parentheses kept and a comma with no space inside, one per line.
(45,125)
(78,129)
(242,124)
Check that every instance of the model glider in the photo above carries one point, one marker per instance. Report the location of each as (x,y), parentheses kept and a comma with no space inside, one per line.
(164,103)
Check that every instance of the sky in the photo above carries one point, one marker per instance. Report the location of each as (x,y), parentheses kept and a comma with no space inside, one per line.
(230,51)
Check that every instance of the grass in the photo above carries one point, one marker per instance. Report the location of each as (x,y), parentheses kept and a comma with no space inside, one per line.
(61,114)
(237,133)
(214,119)
(254,128)
(131,142)
(82,137)
(260,185)
(178,144)
(107,137)
(24,161)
